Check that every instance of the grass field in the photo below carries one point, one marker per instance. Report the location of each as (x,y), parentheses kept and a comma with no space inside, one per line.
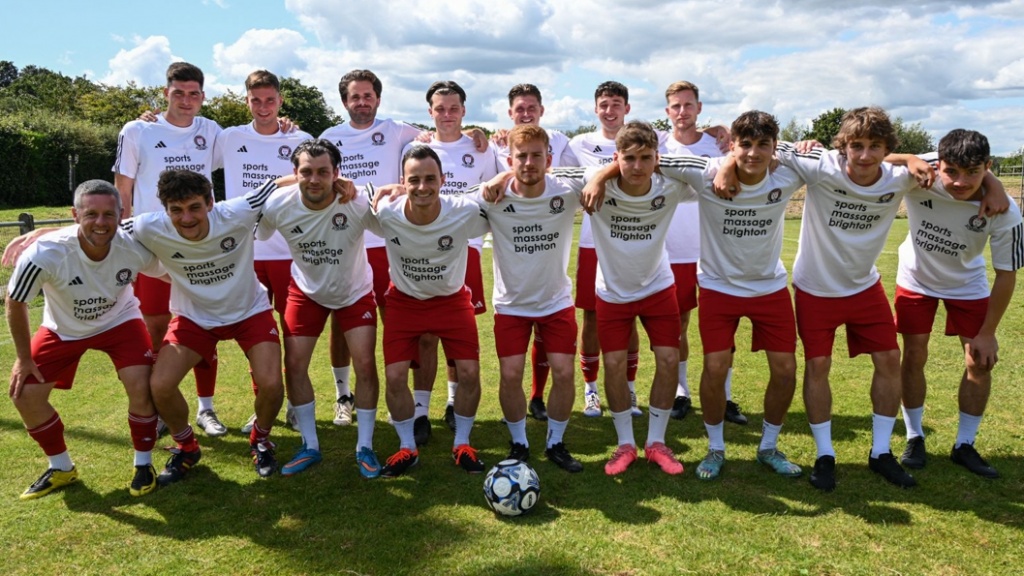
(224,520)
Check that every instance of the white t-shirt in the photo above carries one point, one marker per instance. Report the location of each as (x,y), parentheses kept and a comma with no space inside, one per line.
(683,242)
(82,297)
(591,149)
(328,256)
(249,160)
(145,149)
(372,155)
(430,260)
(532,245)
(844,225)
(943,255)
(558,147)
(212,280)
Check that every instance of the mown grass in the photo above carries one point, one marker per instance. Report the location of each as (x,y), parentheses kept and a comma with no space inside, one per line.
(223,519)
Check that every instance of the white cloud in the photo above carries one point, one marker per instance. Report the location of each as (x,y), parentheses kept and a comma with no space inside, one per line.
(145,64)
(275,50)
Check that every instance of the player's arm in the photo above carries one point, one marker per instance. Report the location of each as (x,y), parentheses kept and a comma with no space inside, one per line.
(14,250)
(126,187)
(592,195)
(493,190)
(982,350)
(921,171)
(500,138)
(24,366)
(996,200)
(722,136)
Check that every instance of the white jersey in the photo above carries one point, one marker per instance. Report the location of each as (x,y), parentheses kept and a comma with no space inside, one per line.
(943,255)
(372,155)
(145,149)
(558,148)
(328,256)
(683,242)
(249,160)
(629,236)
(212,280)
(464,167)
(741,237)
(430,260)
(844,225)
(82,297)
(591,149)
(532,244)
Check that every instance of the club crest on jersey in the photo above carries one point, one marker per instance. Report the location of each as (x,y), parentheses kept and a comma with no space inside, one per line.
(200,142)
(886,198)
(228,244)
(774,196)
(284,152)
(339,221)
(977,223)
(557,205)
(377,139)
(657,203)
(444,243)
(123,277)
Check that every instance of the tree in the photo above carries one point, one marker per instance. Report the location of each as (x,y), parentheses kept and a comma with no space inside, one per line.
(116,105)
(792,132)
(228,109)
(661,124)
(581,129)
(306,107)
(913,139)
(8,73)
(825,127)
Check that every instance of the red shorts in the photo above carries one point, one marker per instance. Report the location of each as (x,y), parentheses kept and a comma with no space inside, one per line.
(867,316)
(127,345)
(154,296)
(450,318)
(586,278)
(305,317)
(254,330)
(686,285)
(658,313)
(275,275)
(915,314)
(557,331)
(771,315)
(475,282)
(378,259)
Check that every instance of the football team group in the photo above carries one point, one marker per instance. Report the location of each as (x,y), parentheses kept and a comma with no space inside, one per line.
(375,217)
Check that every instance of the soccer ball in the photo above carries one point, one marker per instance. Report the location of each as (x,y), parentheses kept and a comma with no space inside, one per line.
(512,488)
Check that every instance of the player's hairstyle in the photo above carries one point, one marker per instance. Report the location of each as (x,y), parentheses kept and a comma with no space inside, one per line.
(184,72)
(95,188)
(636,134)
(446,88)
(421,152)
(525,133)
(180,185)
(317,147)
(612,88)
(357,76)
(865,122)
(964,148)
(682,86)
(755,125)
(524,90)
(262,79)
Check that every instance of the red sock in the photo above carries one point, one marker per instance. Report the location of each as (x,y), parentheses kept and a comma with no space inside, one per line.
(258,435)
(50,436)
(206,377)
(143,429)
(541,368)
(186,439)
(632,363)
(589,365)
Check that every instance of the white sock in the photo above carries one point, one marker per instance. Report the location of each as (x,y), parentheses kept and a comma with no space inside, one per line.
(452,386)
(967,429)
(518,432)
(406,439)
(912,418)
(823,438)
(591,387)
(367,422)
(769,435)
(61,461)
(205,403)
(556,429)
(463,426)
(683,387)
(632,386)
(305,415)
(422,398)
(716,435)
(657,424)
(143,458)
(341,381)
(624,426)
(881,434)
(728,385)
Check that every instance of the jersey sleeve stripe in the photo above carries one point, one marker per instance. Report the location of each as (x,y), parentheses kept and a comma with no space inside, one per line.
(1018,246)
(567,172)
(117,157)
(814,153)
(23,286)
(259,197)
(683,161)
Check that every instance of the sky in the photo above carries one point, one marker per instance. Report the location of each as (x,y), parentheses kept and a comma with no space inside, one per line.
(942,64)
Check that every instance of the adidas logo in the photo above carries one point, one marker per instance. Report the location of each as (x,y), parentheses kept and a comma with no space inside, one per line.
(367,316)
(177,255)
(597,150)
(338,143)
(926,203)
(243,149)
(160,144)
(511,209)
(76,282)
(296,230)
(395,241)
(610,202)
(838,191)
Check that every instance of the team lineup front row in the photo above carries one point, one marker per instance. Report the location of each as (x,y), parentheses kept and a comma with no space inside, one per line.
(205,251)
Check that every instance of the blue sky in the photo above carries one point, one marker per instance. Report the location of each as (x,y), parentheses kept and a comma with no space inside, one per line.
(943,64)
